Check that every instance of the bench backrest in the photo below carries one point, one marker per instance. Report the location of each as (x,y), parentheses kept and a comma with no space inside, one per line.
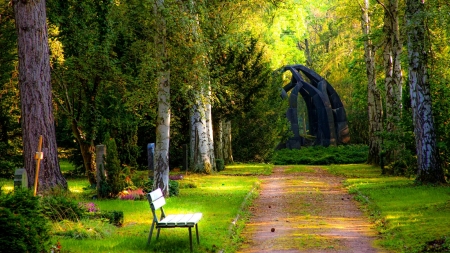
(157,201)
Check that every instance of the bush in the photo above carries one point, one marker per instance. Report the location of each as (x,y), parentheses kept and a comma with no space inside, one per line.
(23,226)
(58,208)
(113,184)
(220,164)
(318,155)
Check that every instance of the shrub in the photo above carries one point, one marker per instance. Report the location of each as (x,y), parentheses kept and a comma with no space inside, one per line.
(220,164)
(84,229)
(318,155)
(111,185)
(58,208)
(174,188)
(23,226)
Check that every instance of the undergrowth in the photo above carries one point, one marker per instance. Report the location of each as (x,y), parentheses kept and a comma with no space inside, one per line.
(319,155)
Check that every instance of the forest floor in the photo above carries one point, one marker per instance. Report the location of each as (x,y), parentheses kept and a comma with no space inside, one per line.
(306,211)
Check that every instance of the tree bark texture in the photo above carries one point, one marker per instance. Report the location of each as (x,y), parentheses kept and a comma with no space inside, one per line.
(36,93)
(374,104)
(201,136)
(200,141)
(429,167)
(227,150)
(393,74)
(87,149)
(392,63)
(209,127)
(161,159)
(218,139)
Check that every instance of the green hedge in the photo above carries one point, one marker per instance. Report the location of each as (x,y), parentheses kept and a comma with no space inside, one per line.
(23,227)
(318,155)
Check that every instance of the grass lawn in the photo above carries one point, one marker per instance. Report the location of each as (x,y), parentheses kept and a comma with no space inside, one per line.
(219,197)
(409,217)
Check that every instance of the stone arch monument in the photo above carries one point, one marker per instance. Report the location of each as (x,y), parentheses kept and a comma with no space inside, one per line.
(327,120)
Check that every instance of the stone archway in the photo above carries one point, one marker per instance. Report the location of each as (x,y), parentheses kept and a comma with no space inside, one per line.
(326,113)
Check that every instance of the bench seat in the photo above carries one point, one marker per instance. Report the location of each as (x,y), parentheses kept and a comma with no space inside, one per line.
(157,201)
(180,220)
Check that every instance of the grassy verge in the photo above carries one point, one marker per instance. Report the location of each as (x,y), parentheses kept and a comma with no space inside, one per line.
(409,217)
(221,198)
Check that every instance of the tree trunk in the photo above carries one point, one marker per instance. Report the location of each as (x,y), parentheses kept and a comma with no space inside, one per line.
(374,104)
(209,129)
(393,74)
(218,139)
(429,167)
(36,93)
(227,151)
(161,160)
(200,141)
(201,138)
(87,150)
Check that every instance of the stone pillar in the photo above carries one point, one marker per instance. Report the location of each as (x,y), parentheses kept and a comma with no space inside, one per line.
(100,154)
(20,179)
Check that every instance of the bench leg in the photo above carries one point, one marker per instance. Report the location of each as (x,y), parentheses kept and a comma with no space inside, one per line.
(157,233)
(150,234)
(190,237)
(196,231)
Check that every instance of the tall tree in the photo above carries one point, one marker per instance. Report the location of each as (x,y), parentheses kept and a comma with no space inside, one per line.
(374,105)
(36,93)
(201,143)
(161,161)
(393,71)
(429,167)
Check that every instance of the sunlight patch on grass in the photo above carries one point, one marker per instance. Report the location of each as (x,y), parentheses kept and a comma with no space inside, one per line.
(299,168)
(407,216)
(247,169)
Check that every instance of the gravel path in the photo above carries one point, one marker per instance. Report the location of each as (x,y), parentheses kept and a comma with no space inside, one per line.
(306,212)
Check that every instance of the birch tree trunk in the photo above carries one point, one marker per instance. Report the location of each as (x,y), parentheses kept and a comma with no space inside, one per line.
(199,141)
(201,138)
(161,160)
(374,104)
(393,70)
(429,167)
(36,93)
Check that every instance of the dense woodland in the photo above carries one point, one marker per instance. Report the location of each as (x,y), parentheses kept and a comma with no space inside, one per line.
(203,73)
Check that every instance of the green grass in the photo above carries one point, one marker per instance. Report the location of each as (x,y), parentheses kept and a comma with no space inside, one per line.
(247,169)
(299,168)
(65,165)
(219,197)
(408,216)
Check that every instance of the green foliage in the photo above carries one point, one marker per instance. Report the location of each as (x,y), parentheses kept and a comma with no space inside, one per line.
(84,229)
(318,155)
(112,179)
(220,165)
(22,224)
(58,208)
(115,178)
(174,188)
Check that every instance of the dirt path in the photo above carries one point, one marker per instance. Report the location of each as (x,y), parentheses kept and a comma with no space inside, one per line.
(310,212)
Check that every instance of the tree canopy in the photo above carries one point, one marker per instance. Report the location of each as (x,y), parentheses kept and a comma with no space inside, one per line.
(108,58)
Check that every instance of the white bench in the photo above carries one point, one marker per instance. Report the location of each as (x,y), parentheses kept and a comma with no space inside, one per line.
(157,201)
